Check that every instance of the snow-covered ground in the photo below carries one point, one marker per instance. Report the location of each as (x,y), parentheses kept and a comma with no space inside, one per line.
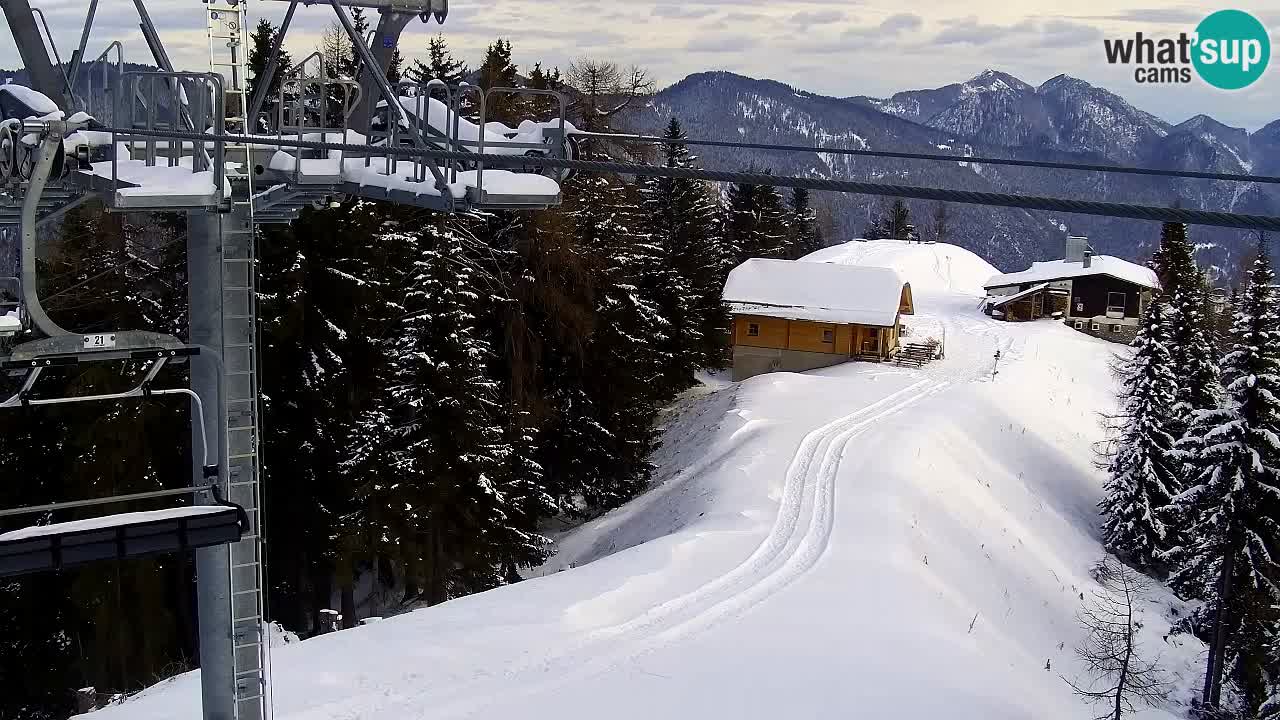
(858,541)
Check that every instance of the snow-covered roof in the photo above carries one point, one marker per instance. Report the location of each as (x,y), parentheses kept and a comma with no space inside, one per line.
(112,521)
(1016,296)
(1061,270)
(37,101)
(823,292)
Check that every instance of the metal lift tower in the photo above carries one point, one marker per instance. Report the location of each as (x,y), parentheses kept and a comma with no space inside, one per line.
(131,140)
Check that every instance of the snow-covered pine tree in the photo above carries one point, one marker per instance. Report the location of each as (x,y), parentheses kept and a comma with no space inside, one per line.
(1143,475)
(1174,261)
(1232,506)
(803,224)
(596,454)
(1192,342)
(447,449)
(680,217)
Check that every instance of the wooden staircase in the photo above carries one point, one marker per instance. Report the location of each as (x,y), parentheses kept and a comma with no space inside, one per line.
(917,354)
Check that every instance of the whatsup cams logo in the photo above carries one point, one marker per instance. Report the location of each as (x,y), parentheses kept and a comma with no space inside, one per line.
(1229,50)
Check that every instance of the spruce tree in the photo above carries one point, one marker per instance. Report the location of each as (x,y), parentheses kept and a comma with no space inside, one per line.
(680,215)
(1174,261)
(898,221)
(803,224)
(1192,341)
(755,223)
(1143,475)
(1232,507)
(440,65)
(447,448)
(497,70)
(264,34)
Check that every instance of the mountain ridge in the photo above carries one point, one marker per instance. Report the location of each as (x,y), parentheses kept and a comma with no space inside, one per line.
(994,114)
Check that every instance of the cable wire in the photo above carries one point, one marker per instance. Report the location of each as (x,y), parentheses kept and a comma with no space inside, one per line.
(1024,202)
(977,160)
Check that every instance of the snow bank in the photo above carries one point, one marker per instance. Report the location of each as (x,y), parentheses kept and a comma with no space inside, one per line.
(929,267)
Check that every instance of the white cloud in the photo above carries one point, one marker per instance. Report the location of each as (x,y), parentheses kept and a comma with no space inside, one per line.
(836,47)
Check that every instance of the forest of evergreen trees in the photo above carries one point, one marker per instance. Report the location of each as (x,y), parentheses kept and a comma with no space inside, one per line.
(1194,490)
(437,390)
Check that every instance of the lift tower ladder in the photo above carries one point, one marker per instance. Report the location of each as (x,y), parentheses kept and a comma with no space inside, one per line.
(228,55)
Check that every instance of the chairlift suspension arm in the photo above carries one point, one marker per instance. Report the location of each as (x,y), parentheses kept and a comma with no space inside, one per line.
(50,143)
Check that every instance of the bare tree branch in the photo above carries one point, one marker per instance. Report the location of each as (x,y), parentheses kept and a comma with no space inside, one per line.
(1111,653)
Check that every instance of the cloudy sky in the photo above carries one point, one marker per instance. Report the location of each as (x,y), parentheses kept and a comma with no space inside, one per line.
(836,47)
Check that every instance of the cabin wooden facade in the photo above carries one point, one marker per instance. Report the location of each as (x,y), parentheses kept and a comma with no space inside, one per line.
(797,316)
(870,342)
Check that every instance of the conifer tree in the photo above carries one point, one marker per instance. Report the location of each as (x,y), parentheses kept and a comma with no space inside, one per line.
(497,70)
(803,225)
(447,447)
(755,223)
(680,215)
(1143,475)
(1232,505)
(1192,342)
(264,34)
(440,65)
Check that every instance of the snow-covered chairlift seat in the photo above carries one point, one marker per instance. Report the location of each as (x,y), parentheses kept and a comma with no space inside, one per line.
(116,537)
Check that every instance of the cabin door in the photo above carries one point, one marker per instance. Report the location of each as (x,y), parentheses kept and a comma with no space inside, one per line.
(870,341)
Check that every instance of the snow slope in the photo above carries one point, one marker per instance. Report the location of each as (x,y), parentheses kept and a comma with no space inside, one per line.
(858,541)
(927,266)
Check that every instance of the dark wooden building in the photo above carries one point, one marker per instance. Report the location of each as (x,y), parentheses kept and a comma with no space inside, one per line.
(1100,295)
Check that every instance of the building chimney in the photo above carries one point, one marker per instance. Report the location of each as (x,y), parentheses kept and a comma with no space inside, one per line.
(1087,258)
(1075,248)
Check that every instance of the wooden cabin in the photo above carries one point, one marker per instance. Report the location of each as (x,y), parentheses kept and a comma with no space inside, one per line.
(1099,295)
(793,315)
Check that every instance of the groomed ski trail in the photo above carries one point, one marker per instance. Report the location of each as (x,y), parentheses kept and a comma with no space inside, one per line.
(785,555)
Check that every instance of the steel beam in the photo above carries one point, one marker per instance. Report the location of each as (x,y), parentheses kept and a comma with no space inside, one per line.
(213,565)
(45,78)
(391,23)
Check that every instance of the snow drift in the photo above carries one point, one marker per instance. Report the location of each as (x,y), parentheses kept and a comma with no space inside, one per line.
(929,267)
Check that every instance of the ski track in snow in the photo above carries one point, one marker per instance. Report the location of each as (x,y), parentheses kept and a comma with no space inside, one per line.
(786,554)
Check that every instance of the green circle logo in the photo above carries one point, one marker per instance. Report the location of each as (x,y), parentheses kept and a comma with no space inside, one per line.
(1231,49)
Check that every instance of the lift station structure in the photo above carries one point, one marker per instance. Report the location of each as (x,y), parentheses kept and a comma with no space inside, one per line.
(96,129)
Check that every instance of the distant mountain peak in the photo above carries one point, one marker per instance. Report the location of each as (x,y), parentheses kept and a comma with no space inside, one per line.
(1061,80)
(1204,123)
(995,80)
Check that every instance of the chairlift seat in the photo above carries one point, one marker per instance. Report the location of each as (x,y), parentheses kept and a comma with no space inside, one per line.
(117,537)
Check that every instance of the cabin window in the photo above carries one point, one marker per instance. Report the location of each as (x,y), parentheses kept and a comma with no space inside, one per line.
(1116,328)
(1095,327)
(753,329)
(1115,303)
(828,336)
(1079,324)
